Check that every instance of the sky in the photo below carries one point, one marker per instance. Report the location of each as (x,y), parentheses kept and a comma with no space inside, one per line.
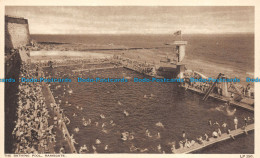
(135,20)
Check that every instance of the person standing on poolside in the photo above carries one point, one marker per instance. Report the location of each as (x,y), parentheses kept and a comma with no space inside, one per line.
(235,122)
(209,122)
(245,119)
(183,135)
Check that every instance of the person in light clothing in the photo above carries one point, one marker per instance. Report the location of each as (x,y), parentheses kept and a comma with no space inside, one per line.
(235,122)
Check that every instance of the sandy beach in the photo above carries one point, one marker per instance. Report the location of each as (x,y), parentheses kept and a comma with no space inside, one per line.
(64,51)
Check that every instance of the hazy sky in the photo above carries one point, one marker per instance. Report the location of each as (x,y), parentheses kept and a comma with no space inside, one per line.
(125,20)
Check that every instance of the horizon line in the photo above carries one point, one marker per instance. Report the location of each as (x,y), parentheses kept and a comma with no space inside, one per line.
(229,33)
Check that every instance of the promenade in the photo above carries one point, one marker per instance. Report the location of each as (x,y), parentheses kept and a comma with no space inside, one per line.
(59,134)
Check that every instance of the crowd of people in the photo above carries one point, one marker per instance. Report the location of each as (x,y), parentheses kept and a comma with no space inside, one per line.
(128,136)
(32,131)
(217,131)
(34,134)
(60,121)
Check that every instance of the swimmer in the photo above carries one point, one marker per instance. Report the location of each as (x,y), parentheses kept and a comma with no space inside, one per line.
(145,96)
(74,114)
(209,122)
(119,103)
(83,119)
(126,113)
(216,123)
(83,149)
(229,112)
(103,125)
(224,125)
(67,120)
(98,141)
(131,136)
(158,135)
(147,133)
(133,148)
(106,147)
(143,150)
(72,139)
(183,134)
(102,116)
(159,124)
(77,107)
(85,123)
(104,130)
(96,124)
(173,149)
(81,108)
(94,148)
(62,150)
(76,129)
(159,148)
(126,133)
(112,123)
(124,136)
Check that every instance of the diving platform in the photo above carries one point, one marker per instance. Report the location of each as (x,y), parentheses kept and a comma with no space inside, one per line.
(223,98)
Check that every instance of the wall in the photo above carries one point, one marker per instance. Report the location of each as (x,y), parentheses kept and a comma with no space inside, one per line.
(16,32)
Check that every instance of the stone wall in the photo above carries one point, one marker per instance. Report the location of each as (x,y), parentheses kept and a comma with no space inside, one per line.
(16,32)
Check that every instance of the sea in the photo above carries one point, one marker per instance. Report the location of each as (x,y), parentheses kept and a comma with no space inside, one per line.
(226,50)
(164,109)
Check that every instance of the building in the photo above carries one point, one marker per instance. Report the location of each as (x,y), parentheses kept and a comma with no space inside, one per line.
(16,32)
